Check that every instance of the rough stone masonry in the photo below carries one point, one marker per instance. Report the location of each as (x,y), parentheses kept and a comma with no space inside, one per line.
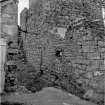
(82,46)
(8,31)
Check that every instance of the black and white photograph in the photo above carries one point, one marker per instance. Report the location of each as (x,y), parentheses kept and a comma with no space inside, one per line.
(52,52)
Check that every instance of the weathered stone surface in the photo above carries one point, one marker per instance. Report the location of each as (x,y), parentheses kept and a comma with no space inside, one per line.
(81,47)
(10,29)
(8,18)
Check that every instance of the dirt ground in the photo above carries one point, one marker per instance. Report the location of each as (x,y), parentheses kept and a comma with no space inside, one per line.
(48,96)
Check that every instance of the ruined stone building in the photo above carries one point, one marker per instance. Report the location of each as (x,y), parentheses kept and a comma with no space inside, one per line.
(9,33)
(63,38)
(65,35)
(8,15)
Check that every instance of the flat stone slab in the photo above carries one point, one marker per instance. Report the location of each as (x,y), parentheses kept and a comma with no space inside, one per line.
(48,96)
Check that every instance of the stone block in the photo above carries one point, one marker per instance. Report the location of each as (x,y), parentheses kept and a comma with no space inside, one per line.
(93,56)
(6,15)
(89,75)
(87,38)
(81,67)
(102,67)
(10,9)
(102,55)
(88,94)
(5,20)
(88,48)
(101,43)
(81,61)
(102,49)
(10,30)
(94,65)
(98,73)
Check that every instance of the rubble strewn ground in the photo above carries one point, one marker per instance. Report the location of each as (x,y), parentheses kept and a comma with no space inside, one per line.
(48,96)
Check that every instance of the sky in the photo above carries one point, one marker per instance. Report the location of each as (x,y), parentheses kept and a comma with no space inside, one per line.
(21,6)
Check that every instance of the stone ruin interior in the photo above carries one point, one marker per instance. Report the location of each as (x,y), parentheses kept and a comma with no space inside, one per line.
(59,43)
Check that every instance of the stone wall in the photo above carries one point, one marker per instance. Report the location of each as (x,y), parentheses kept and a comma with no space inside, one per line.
(9,33)
(83,45)
(8,19)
